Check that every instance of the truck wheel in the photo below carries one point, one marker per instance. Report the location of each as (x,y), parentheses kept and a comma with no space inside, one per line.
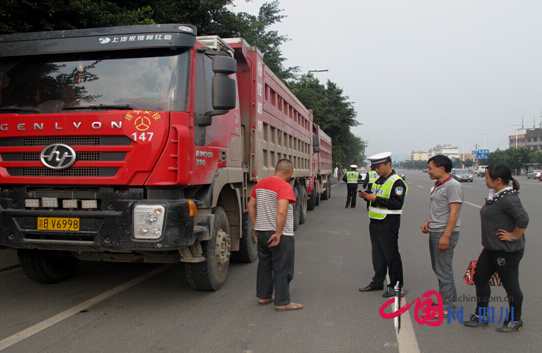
(248,250)
(317,198)
(324,194)
(303,200)
(47,266)
(210,274)
(297,208)
(311,200)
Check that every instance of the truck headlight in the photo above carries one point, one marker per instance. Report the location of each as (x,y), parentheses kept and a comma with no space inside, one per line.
(148,221)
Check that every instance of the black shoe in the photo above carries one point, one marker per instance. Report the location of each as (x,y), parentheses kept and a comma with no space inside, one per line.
(370,288)
(353,206)
(346,206)
(390,293)
(474,321)
(508,326)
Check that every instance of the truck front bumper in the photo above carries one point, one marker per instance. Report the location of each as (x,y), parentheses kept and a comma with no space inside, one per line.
(109,228)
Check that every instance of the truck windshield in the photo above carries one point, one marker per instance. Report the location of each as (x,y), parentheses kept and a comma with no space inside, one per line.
(117,80)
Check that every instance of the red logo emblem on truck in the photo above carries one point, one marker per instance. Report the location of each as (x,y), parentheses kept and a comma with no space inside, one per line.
(141,125)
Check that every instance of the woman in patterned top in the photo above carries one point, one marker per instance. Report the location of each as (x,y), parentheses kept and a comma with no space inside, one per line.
(504,221)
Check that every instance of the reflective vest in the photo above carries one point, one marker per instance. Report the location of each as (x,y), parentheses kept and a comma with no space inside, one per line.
(372,177)
(352,177)
(377,212)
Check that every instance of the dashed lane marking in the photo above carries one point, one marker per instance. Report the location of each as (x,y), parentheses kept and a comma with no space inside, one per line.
(7,342)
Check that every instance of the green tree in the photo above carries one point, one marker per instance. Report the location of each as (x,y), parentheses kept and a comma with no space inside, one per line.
(513,158)
(47,15)
(211,17)
(335,115)
(535,157)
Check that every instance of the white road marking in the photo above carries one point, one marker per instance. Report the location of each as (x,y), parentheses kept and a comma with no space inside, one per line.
(421,187)
(406,338)
(472,204)
(32,330)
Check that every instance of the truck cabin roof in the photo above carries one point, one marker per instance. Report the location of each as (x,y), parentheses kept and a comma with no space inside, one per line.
(173,36)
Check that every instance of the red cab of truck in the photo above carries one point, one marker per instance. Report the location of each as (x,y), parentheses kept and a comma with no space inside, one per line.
(140,144)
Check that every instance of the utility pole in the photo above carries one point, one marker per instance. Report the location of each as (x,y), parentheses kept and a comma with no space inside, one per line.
(516,132)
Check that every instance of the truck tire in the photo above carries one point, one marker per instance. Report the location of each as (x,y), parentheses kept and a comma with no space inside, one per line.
(311,200)
(248,246)
(210,274)
(326,194)
(303,200)
(47,266)
(297,208)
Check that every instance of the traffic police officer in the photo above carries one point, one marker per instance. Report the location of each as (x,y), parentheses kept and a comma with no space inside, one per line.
(351,179)
(387,199)
(370,179)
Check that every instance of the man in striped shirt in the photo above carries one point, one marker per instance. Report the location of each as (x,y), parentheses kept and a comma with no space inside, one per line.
(271,211)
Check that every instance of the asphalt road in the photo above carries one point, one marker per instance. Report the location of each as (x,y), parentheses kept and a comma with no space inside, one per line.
(110,307)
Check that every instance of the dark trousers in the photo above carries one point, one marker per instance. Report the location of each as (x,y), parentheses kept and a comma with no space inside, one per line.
(385,251)
(275,267)
(506,264)
(352,194)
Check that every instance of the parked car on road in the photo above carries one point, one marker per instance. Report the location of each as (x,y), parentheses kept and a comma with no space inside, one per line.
(462,175)
(535,174)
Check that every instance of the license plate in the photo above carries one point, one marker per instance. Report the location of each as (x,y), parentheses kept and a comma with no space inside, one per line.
(57,223)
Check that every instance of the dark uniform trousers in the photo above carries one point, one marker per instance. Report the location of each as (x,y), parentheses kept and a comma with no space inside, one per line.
(385,250)
(352,194)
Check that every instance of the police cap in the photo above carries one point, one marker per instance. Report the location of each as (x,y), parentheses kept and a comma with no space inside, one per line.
(380,158)
(354,166)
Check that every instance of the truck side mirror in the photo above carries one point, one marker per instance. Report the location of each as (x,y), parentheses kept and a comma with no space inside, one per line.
(315,143)
(224,88)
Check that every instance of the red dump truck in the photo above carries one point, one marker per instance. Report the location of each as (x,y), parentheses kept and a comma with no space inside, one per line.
(322,168)
(141,144)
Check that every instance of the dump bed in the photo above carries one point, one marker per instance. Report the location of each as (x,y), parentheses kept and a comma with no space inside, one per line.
(275,123)
(325,162)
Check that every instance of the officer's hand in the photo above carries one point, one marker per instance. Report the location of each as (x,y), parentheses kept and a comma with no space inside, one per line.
(366,196)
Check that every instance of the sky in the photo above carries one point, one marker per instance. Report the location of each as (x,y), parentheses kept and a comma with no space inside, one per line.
(422,73)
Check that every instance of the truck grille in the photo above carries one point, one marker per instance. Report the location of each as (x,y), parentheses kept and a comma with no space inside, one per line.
(71,172)
(81,156)
(87,156)
(71,141)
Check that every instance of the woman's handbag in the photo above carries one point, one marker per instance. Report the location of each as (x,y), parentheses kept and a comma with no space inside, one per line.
(495,280)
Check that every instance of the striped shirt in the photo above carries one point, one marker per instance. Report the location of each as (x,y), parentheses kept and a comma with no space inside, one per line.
(267,192)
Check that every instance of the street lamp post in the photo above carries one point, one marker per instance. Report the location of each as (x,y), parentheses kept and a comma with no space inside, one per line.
(484,140)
